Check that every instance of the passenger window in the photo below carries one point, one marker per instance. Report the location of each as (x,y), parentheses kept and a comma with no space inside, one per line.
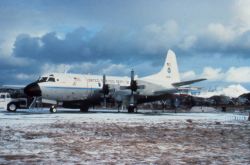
(51,79)
(2,96)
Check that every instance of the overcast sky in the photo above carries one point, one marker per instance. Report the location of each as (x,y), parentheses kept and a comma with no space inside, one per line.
(210,38)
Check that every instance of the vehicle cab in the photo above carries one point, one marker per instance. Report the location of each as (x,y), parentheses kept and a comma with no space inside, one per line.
(4,100)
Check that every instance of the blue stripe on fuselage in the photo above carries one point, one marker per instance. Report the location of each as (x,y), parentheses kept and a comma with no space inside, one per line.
(70,88)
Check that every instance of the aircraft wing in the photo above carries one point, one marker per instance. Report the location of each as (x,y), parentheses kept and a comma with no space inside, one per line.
(182,83)
(166,91)
(171,91)
(179,88)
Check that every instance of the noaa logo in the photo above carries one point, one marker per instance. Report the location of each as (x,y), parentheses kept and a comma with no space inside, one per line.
(169,70)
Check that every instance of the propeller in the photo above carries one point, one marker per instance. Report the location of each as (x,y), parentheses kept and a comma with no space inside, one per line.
(105,90)
(133,87)
(133,83)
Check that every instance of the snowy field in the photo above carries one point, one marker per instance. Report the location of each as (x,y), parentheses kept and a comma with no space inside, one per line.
(69,137)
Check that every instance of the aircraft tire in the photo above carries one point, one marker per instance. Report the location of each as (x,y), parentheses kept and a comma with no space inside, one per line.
(53,109)
(131,109)
(11,107)
(84,109)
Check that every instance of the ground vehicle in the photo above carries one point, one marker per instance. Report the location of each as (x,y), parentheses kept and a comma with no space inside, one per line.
(11,104)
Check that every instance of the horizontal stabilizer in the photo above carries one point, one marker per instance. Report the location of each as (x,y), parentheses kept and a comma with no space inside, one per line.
(182,83)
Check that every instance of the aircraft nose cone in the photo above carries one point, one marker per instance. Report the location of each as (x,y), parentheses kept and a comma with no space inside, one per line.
(32,89)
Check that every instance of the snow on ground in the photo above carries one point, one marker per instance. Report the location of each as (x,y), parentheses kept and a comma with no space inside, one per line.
(98,137)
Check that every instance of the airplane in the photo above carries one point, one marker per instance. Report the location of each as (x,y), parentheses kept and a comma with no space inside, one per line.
(80,91)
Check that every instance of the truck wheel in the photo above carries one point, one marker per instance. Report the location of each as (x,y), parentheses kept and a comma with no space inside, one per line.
(11,107)
(84,109)
(131,109)
(53,109)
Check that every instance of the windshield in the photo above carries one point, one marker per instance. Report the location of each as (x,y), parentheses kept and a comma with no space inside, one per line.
(46,79)
(51,79)
(42,79)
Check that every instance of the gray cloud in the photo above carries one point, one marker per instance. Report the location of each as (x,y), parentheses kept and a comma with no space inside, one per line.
(127,45)
(238,47)
(124,33)
(79,45)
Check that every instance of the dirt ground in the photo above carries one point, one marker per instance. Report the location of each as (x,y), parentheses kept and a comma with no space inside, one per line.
(135,141)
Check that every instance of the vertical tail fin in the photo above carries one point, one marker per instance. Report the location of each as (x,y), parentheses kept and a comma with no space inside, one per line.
(170,69)
(169,73)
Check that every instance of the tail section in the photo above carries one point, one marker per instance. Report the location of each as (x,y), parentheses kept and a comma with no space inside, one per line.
(170,69)
(169,76)
(169,73)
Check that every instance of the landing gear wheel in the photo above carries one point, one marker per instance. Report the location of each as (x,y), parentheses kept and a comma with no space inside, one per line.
(84,109)
(131,109)
(11,107)
(53,109)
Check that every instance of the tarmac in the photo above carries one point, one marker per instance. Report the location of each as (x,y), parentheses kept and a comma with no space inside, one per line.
(107,137)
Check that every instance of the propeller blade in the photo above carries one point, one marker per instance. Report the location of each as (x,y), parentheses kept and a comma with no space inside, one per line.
(104,79)
(105,90)
(132,100)
(132,75)
(104,101)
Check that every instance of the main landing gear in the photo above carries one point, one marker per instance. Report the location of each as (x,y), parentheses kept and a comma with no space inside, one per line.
(84,108)
(131,109)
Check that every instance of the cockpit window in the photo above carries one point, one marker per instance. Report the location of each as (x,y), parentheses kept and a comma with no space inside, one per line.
(46,79)
(42,79)
(52,79)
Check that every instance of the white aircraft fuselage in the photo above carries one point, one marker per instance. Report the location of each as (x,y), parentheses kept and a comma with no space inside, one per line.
(82,90)
(68,87)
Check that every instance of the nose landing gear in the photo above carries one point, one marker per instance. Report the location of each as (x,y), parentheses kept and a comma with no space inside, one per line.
(53,109)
